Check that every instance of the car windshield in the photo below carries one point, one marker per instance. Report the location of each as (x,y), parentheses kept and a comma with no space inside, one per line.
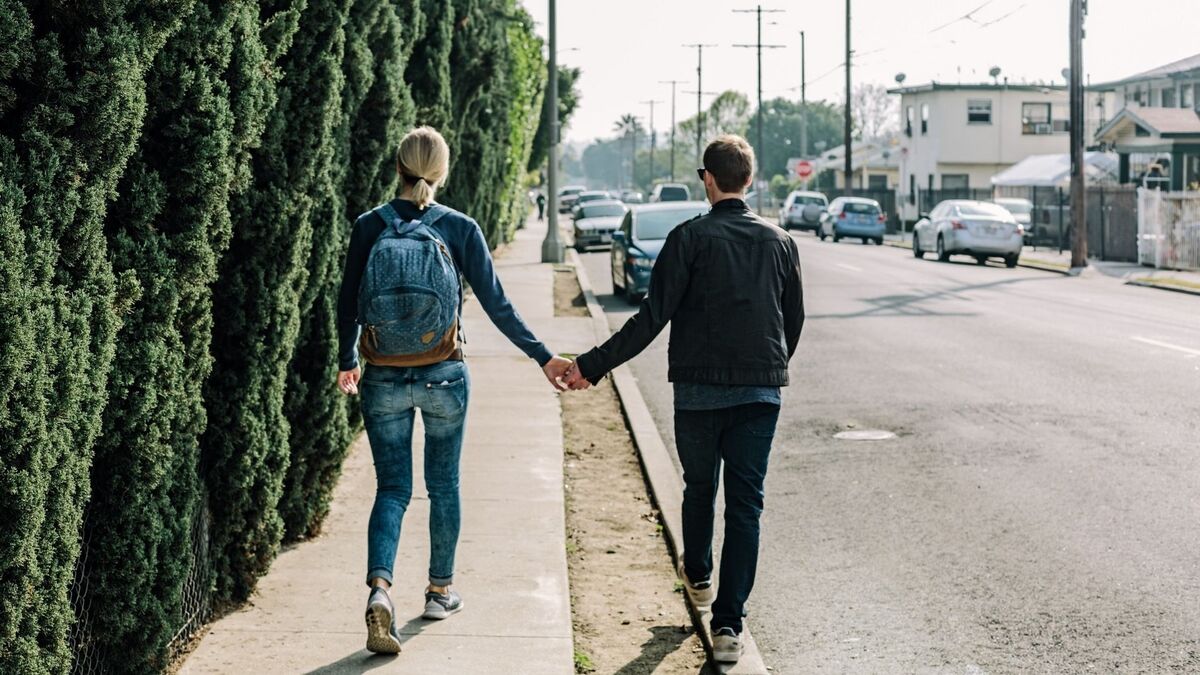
(1017,207)
(982,209)
(602,211)
(658,224)
(860,207)
(673,194)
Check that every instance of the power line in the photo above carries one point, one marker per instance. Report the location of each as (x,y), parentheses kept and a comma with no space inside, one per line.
(699,92)
(759,46)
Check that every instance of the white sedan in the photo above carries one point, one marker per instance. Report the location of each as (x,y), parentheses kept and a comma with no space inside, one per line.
(979,229)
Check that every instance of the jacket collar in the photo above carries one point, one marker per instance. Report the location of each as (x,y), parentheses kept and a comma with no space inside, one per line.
(732,203)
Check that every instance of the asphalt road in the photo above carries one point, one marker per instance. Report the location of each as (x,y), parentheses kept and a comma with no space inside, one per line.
(1038,510)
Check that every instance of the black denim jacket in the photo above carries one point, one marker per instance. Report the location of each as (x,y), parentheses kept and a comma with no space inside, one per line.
(729,283)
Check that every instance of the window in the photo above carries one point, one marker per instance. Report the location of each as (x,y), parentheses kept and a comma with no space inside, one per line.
(1168,98)
(912,188)
(652,225)
(1185,96)
(1060,118)
(979,111)
(861,208)
(908,120)
(924,118)
(877,182)
(955,181)
(1035,118)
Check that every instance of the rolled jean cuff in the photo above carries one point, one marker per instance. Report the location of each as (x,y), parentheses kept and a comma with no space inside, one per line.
(441,581)
(379,573)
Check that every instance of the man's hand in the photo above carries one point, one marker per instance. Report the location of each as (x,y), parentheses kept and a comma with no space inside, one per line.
(575,379)
(555,369)
(348,381)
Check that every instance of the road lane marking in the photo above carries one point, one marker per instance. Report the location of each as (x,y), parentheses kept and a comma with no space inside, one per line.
(1167,345)
(852,268)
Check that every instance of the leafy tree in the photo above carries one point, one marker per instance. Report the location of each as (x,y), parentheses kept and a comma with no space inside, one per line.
(429,76)
(876,112)
(72,99)
(783,121)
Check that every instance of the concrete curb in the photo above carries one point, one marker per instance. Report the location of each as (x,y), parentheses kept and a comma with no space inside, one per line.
(1031,264)
(665,482)
(1162,287)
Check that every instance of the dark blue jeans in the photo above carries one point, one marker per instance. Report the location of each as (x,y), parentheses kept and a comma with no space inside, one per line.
(390,399)
(740,437)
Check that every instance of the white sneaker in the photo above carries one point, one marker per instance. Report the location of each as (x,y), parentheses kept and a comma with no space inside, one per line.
(701,594)
(727,646)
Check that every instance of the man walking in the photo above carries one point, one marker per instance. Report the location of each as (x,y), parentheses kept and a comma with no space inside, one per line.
(730,284)
(541,204)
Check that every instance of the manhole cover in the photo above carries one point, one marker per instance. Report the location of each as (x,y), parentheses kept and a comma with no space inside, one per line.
(864,435)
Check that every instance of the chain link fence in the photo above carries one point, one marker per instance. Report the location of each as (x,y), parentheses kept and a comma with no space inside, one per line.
(1169,229)
(88,658)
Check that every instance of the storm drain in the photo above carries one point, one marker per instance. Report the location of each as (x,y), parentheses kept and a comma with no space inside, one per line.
(864,435)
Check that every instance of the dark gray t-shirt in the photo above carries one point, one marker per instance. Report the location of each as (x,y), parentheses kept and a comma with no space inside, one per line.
(694,396)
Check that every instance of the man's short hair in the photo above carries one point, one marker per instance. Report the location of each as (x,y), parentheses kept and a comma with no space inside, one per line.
(730,160)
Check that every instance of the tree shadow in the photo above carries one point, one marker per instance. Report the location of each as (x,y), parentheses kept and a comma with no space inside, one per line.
(663,640)
(363,661)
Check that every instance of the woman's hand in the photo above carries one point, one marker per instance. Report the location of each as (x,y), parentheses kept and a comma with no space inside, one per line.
(348,381)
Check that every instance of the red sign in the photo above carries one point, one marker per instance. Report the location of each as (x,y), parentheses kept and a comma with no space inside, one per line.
(804,168)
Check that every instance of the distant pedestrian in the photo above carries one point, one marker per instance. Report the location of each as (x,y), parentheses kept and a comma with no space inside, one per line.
(541,204)
(728,282)
(414,356)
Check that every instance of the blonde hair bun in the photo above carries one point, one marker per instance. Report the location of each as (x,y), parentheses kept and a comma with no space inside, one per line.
(423,159)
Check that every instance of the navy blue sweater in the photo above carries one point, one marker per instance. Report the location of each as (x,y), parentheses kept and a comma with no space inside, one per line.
(470,252)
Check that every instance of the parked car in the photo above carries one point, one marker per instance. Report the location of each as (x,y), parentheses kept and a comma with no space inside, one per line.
(567,196)
(595,222)
(1022,210)
(589,196)
(856,217)
(632,197)
(802,210)
(670,192)
(961,226)
(639,239)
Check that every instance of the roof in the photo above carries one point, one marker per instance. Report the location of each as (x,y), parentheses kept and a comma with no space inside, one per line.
(1055,170)
(872,154)
(1183,65)
(1158,121)
(978,86)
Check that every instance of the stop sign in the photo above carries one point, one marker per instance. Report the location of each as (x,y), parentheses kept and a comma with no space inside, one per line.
(804,168)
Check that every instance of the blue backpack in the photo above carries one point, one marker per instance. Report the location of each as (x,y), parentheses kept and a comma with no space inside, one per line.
(411,293)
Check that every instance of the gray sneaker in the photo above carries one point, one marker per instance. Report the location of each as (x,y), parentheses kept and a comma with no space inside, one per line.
(442,605)
(701,593)
(382,636)
(727,646)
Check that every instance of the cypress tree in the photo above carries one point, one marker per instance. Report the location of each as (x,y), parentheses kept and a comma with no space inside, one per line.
(429,75)
(257,302)
(376,108)
(73,101)
(167,230)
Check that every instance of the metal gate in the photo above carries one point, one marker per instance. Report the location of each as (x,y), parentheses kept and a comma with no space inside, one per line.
(1169,229)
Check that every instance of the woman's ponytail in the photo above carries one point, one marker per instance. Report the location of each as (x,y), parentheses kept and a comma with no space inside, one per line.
(424,161)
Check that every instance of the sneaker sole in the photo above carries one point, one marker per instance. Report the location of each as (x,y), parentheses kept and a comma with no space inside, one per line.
(437,612)
(379,631)
(727,657)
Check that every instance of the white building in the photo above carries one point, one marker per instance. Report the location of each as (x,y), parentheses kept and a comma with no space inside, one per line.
(955,137)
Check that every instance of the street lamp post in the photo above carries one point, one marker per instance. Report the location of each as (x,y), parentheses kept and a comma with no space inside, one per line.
(552,249)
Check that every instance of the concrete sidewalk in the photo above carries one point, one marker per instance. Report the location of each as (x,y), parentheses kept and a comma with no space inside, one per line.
(307,613)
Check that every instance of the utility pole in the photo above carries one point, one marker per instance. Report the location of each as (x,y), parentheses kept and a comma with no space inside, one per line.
(672,83)
(699,103)
(759,46)
(847,138)
(552,250)
(803,104)
(653,137)
(1079,239)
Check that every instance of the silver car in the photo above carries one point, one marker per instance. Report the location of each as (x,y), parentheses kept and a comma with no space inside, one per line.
(802,210)
(595,222)
(979,229)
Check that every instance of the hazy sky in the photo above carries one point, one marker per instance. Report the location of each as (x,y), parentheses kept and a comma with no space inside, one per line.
(625,47)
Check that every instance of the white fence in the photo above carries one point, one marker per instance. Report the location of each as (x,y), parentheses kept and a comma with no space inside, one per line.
(1169,229)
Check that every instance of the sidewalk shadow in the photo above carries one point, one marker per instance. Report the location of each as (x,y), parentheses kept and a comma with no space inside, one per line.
(663,640)
(363,661)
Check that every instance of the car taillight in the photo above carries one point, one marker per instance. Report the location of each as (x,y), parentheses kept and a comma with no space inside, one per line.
(1020,229)
(881,218)
(842,215)
(958,225)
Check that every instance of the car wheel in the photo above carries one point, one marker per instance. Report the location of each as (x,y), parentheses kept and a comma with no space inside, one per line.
(1010,261)
(942,254)
(821,233)
(836,237)
(879,241)
(618,289)
(916,247)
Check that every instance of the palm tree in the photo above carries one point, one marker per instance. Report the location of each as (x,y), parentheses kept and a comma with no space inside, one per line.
(628,125)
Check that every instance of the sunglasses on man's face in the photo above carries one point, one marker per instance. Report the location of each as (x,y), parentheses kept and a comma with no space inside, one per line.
(700,172)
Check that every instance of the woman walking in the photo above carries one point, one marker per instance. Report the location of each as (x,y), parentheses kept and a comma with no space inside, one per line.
(402,284)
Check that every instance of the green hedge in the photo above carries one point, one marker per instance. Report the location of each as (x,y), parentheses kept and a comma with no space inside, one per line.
(177,181)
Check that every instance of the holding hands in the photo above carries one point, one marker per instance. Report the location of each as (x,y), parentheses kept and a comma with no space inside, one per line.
(564,374)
